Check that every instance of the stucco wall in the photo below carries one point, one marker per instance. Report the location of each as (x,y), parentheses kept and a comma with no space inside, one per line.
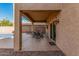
(27,28)
(68,29)
(38,6)
(6,29)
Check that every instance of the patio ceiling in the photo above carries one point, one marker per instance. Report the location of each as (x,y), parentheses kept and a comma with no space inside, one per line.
(39,15)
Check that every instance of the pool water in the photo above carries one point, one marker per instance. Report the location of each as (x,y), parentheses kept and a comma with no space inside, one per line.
(6,36)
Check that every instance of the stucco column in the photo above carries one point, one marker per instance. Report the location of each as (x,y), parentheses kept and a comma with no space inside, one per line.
(32,27)
(49,31)
(17,39)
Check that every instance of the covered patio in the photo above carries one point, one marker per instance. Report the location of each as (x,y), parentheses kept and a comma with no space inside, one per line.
(38,18)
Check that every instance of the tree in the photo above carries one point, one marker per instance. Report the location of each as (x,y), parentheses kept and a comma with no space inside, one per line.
(5,22)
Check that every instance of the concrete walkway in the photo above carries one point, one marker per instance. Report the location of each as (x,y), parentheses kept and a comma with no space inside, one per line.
(7,43)
(31,44)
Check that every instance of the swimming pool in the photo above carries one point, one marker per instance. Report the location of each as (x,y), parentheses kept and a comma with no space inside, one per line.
(6,36)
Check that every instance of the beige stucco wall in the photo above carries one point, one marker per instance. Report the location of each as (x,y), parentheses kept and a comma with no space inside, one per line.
(6,29)
(38,6)
(68,29)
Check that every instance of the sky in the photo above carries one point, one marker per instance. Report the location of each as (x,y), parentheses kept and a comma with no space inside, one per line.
(25,20)
(6,11)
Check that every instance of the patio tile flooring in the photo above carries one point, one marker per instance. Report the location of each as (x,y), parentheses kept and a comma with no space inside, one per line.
(31,44)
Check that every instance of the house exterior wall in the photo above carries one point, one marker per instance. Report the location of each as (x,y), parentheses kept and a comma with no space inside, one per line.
(26,28)
(68,29)
(67,38)
(38,6)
